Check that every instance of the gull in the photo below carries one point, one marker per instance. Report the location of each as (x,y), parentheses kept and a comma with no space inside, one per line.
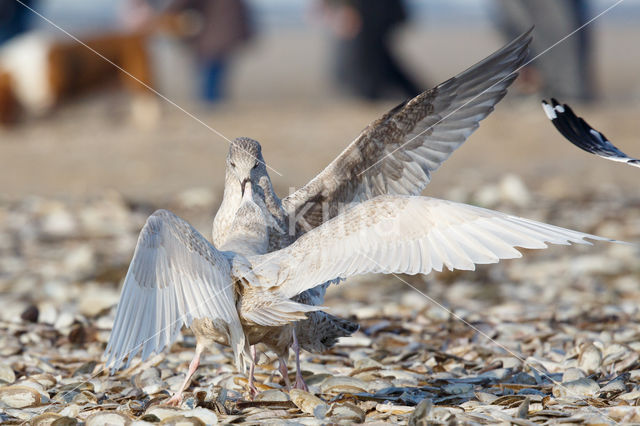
(582,135)
(262,279)
(394,155)
(177,278)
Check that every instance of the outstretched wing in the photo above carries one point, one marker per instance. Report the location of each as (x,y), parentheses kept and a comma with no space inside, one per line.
(404,234)
(582,135)
(397,153)
(175,275)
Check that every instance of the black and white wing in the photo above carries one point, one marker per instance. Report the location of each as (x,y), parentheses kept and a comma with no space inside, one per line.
(397,153)
(582,135)
(175,275)
(404,234)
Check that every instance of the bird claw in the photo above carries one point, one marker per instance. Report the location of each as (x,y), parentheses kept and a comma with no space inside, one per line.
(300,384)
(175,400)
(253,391)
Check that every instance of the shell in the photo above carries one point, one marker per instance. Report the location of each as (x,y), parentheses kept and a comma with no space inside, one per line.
(309,403)
(19,396)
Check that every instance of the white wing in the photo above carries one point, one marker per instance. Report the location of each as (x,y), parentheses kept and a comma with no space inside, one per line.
(175,275)
(404,234)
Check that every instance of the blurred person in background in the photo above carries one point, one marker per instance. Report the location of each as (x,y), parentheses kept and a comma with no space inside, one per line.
(215,29)
(365,64)
(14,18)
(566,70)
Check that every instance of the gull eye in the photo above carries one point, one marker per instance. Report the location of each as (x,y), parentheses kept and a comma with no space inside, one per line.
(232,164)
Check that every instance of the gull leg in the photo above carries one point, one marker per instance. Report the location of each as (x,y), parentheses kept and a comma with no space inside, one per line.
(300,384)
(252,387)
(176,399)
(282,366)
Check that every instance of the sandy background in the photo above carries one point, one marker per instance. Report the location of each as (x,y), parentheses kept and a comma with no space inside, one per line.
(281,95)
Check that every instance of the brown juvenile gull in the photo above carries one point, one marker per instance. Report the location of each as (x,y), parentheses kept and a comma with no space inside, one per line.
(581,134)
(394,155)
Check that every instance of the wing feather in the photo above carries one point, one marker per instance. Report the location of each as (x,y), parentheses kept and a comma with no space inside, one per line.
(175,275)
(404,234)
(418,134)
(581,134)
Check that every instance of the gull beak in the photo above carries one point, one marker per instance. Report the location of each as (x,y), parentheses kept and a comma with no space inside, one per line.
(244,184)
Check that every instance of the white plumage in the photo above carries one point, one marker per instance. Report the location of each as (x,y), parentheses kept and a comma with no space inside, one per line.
(175,275)
(404,234)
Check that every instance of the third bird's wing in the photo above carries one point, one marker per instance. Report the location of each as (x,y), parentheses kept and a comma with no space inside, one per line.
(581,134)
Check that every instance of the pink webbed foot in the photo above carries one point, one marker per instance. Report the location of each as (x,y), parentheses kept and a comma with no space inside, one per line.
(175,400)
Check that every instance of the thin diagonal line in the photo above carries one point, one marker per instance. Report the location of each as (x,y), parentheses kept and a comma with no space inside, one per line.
(485,335)
(497,82)
(50,22)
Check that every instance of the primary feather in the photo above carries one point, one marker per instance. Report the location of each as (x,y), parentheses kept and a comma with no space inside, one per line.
(404,234)
(175,276)
(397,153)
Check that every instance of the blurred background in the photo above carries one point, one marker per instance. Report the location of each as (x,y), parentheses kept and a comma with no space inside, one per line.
(87,152)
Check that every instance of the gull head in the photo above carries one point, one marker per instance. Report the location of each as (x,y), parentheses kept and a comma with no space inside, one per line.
(245,163)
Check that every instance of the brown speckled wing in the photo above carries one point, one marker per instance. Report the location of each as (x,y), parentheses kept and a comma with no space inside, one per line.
(397,153)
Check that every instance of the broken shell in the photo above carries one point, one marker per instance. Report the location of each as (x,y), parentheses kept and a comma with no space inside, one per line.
(272,395)
(65,421)
(107,418)
(421,413)
(572,374)
(45,419)
(149,381)
(19,396)
(346,412)
(309,403)
(7,375)
(182,421)
(45,379)
(576,389)
(457,388)
(394,409)
(343,384)
(162,412)
(206,416)
(590,359)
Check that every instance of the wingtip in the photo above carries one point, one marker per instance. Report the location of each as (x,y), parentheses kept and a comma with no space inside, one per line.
(549,111)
